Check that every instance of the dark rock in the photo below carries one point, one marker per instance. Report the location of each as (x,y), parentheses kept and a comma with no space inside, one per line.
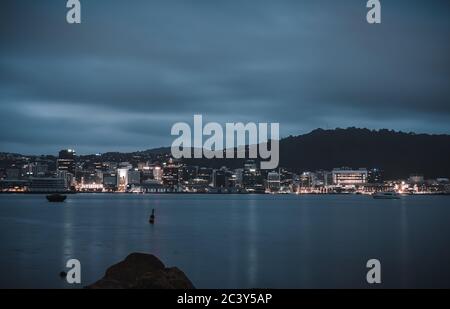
(142,271)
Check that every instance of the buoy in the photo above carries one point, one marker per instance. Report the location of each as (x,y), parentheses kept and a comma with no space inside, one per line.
(152,217)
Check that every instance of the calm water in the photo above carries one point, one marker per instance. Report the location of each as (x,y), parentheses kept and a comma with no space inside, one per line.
(230,241)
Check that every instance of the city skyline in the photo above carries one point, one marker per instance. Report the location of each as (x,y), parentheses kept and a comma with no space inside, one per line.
(123,77)
(162,174)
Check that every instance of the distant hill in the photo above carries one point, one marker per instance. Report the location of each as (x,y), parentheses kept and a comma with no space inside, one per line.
(155,151)
(398,154)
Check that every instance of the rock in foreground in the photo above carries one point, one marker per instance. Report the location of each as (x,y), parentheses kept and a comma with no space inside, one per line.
(142,271)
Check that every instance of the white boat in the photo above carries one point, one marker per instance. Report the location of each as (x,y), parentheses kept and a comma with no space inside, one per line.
(389,195)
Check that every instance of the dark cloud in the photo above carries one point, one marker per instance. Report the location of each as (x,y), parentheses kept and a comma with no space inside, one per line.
(120,79)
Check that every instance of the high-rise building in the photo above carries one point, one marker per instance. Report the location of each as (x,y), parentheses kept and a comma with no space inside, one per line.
(306,179)
(375,175)
(188,173)
(323,178)
(122,178)
(220,178)
(134,177)
(66,161)
(98,162)
(252,179)
(110,181)
(237,178)
(157,173)
(273,181)
(170,175)
(205,175)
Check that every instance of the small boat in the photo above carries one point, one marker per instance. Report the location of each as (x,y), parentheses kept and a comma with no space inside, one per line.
(56,198)
(389,195)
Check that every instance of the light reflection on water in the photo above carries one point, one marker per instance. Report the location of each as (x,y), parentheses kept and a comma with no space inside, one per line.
(230,241)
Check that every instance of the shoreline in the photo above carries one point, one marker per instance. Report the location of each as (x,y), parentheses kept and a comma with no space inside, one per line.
(215,193)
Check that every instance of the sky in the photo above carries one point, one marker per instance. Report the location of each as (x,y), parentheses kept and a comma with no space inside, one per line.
(119,80)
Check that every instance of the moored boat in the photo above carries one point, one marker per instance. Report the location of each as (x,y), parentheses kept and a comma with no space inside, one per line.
(389,195)
(56,198)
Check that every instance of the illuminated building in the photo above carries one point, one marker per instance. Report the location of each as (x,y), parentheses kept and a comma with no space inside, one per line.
(98,164)
(67,177)
(37,169)
(375,176)
(157,173)
(306,179)
(170,175)
(188,173)
(273,181)
(347,176)
(14,185)
(66,161)
(323,178)
(251,177)
(238,177)
(205,175)
(122,178)
(416,179)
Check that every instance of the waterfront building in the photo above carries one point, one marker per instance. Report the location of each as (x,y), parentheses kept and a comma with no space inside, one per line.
(153,186)
(323,178)
(14,185)
(348,177)
(47,185)
(91,187)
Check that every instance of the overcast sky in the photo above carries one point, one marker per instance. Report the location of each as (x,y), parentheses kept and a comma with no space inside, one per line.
(122,78)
